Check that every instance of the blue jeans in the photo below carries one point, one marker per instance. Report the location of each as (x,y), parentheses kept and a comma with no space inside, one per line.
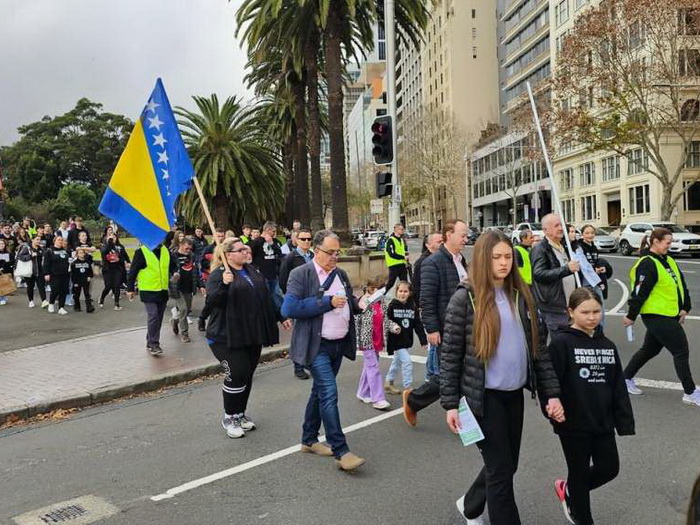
(323,401)
(432,367)
(274,286)
(402,359)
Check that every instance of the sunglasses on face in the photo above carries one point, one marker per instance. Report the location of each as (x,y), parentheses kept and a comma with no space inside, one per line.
(305,239)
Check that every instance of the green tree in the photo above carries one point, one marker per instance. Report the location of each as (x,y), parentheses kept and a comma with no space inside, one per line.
(75,199)
(82,145)
(235,160)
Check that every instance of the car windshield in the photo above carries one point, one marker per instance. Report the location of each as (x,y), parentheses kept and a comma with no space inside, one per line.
(673,227)
(536,226)
(600,231)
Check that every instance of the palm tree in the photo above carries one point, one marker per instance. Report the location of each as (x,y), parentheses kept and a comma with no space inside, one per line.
(236,161)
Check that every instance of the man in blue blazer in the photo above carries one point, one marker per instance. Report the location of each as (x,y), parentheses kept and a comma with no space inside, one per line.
(319,297)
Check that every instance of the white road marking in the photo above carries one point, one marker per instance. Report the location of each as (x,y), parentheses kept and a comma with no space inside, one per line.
(190,485)
(623,301)
(653,383)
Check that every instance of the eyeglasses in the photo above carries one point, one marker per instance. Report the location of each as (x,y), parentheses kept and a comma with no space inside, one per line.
(330,253)
(305,239)
(239,250)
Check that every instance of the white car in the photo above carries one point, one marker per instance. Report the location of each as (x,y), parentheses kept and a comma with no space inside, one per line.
(371,238)
(683,241)
(604,241)
(534,227)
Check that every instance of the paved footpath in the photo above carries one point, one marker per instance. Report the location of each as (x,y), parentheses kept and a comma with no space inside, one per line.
(97,368)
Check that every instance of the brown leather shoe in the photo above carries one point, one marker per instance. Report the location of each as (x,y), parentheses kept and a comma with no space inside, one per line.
(409,415)
(349,462)
(320,449)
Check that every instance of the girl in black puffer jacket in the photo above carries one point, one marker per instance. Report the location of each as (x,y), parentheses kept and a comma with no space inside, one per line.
(57,274)
(494,344)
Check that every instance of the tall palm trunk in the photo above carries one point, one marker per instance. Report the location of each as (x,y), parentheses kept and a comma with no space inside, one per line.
(288,164)
(222,205)
(314,127)
(301,175)
(334,75)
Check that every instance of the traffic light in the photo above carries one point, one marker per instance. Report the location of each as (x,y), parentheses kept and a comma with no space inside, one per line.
(383,185)
(382,138)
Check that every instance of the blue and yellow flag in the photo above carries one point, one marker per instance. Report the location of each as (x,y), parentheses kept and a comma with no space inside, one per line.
(152,172)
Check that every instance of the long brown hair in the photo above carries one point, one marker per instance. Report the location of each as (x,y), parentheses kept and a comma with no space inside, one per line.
(487,323)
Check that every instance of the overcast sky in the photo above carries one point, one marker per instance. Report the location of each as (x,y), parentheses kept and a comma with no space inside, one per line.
(53,52)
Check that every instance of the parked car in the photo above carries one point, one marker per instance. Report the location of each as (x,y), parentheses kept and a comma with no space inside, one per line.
(604,241)
(534,227)
(371,238)
(683,241)
(410,234)
(472,235)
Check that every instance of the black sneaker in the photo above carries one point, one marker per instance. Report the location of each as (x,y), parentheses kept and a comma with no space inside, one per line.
(176,326)
(76,307)
(301,374)
(202,324)
(155,349)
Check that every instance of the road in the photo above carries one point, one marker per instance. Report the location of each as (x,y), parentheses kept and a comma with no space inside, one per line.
(129,453)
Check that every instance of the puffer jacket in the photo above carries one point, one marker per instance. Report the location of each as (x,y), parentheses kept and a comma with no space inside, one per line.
(547,275)
(463,374)
(438,281)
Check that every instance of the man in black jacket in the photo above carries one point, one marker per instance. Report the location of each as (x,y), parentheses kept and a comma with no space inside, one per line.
(73,235)
(441,273)
(300,255)
(267,256)
(553,274)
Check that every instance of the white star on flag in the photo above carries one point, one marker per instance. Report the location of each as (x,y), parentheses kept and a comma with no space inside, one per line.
(163,157)
(151,106)
(166,175)
(155,123)
(159,140)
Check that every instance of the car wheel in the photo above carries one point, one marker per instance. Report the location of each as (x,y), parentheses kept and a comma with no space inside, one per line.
(625,248)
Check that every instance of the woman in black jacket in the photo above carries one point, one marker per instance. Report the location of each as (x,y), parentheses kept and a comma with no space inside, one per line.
(114,261)
(494,345)
(33,252)
(242,321)
(57,273)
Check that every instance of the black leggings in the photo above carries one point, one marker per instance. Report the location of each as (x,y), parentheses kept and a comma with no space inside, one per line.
(59,289)
(592,461)
(239,365)
(664,332)
(113,282)
(85,288)
(40,286)
(502,424)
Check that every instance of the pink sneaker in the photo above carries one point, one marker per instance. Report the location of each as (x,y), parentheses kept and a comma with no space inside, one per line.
(563,496)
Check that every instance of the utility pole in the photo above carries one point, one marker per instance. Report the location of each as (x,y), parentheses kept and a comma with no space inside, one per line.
(390,33)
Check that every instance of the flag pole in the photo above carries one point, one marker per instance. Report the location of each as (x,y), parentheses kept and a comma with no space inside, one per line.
(207,214)
(548,162)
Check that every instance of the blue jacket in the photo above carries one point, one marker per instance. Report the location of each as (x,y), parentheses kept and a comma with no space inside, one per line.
(302,303)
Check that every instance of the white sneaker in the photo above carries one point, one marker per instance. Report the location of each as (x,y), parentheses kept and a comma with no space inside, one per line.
(44,304)
(364,399)
(632,387)
(52,308)
(475,521)
(381,405)
(189,320)
(247,424)
(692,399)
(3,301)
(233,427)
(117,308)
(62,311)
(31,304)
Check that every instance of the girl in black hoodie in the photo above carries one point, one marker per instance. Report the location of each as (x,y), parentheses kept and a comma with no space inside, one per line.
(57,274)
(596,403)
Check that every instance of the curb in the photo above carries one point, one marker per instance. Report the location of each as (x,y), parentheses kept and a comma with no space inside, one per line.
(110,393)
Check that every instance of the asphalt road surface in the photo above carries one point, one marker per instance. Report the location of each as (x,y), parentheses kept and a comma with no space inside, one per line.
(132,453)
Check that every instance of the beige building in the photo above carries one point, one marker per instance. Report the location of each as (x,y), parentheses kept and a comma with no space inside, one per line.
(604,188)
(456,73)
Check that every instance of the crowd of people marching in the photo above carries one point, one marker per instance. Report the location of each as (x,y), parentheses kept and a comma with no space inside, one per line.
(525,317)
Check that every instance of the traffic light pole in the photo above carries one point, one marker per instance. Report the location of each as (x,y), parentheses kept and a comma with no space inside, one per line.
(390,33)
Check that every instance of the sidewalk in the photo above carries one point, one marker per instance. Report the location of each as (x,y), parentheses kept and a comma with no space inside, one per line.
(97,368)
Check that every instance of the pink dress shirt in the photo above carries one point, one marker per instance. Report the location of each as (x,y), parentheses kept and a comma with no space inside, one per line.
(336,323)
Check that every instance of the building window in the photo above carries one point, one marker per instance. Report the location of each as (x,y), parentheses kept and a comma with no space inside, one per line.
(474,32)
(588,208)
(567,179)
(473,13)
(586,174)
(639,200)
(381,51)
(693,155)
(611,168)
(690,110)
(691,197)
(689,62)
(561,12)
(567,208)
(473,51)
(637,162)
(689,21)
(580,3)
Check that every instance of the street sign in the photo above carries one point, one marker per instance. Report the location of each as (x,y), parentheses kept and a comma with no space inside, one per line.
(397,195)
(376,206)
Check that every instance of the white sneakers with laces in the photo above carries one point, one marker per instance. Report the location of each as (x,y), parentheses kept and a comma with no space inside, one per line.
(52,308)
(62,311)
(632,388)
(31,304)
(475,521)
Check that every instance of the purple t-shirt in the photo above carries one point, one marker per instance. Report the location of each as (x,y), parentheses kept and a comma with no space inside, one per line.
(507,368)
